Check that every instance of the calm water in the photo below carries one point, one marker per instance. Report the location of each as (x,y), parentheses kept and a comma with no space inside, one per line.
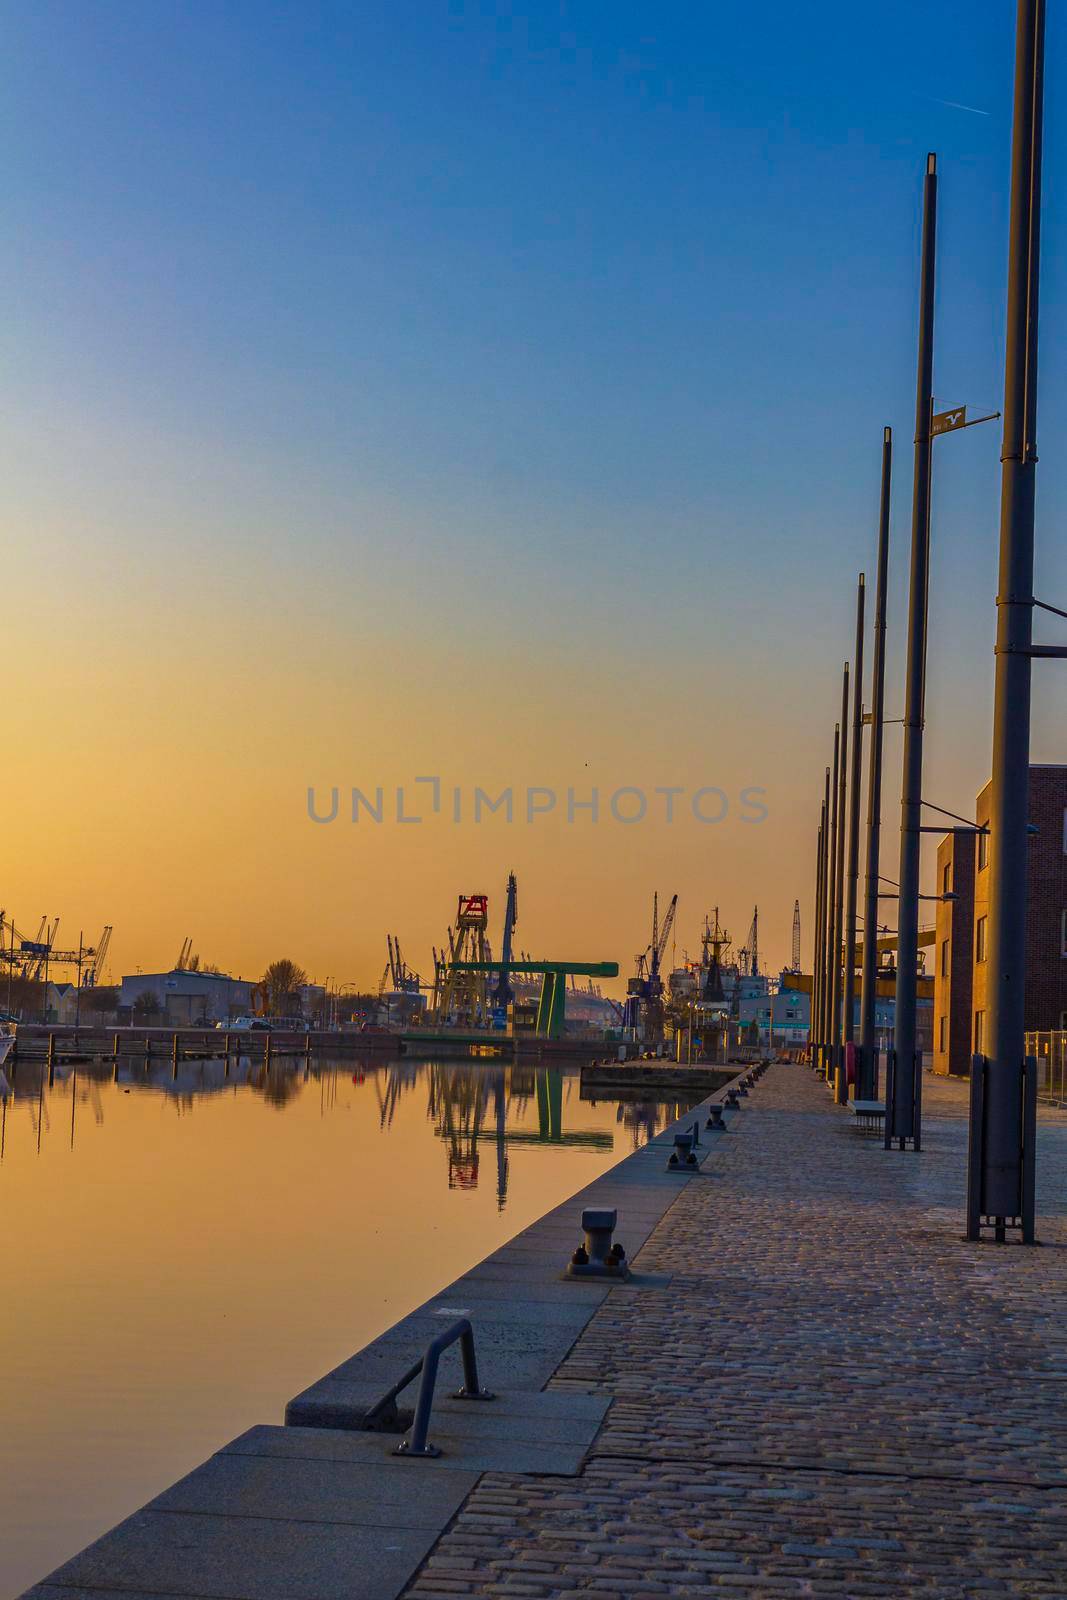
(180,1257)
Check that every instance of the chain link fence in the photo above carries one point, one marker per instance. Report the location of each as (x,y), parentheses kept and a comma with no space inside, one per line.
(1051,1052)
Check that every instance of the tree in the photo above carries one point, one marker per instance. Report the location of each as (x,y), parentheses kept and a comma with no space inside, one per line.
(279,988)
(146,1005)
(100,1002)
(26,995)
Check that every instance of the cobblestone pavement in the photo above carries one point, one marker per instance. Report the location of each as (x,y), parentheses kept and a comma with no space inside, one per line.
(834,1394)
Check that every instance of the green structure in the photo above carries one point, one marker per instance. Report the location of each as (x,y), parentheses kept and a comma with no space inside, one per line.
(551,1009)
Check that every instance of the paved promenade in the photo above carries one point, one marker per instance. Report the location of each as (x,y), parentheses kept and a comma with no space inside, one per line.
(828,1393)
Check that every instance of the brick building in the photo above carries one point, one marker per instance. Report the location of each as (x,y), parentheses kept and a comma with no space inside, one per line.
(961,957)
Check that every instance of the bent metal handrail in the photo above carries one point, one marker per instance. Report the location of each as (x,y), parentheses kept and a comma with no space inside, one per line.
(416,1443)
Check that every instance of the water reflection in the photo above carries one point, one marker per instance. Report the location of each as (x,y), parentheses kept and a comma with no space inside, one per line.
(469,1107)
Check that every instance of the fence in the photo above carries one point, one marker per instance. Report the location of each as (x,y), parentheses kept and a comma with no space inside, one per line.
(1051,1052)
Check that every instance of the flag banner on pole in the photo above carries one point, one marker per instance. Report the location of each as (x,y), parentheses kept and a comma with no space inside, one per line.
(945,421)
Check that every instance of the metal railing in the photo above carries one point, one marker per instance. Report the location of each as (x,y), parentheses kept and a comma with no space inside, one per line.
(416,1443)
(1050,1051)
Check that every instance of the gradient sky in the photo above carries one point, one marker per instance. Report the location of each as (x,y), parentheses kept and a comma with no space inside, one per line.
(493,392)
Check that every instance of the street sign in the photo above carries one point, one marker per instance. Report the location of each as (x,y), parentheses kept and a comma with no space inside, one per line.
(946,421)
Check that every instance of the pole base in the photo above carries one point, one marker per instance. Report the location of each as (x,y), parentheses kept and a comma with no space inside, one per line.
(983,1224)
(903,1109)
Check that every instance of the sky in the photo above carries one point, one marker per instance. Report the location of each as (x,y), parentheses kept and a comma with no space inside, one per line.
(492,393)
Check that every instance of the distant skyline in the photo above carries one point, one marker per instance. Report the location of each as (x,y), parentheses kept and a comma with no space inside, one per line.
(491,392)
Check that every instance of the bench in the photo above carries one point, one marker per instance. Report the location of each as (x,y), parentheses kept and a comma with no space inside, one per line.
(869,1115)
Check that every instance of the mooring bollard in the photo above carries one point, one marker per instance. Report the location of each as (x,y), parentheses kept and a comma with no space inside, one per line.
(715,1121)
(682,1155)
(731,1099)
(598,1257)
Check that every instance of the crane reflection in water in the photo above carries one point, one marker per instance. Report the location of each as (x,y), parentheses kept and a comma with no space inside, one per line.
(469,1106)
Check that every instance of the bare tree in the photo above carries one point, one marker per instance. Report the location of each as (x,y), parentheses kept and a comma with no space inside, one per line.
(279,987)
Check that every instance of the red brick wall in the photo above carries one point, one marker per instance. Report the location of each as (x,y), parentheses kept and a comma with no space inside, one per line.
(1046,967)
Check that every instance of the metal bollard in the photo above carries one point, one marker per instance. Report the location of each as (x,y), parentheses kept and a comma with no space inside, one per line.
(682,1155)
(715,1122)
(731,1100)
(598,1256)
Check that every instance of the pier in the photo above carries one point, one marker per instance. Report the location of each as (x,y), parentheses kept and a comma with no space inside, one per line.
(811,1384)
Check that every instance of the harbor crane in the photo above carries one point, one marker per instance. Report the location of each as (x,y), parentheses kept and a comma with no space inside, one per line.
(644,992)
(30,959)
(187,961)
(460,987)
(750,949)
(503,991)
(795,963)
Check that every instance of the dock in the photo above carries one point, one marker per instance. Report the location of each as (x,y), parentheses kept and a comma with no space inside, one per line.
(809,1385)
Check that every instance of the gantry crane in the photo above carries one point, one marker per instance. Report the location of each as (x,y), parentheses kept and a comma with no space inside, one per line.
(461,980)
(31,958)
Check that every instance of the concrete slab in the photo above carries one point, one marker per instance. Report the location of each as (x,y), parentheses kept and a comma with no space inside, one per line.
(366,1494)
(560,1312)
(55,1591)
(232,1558)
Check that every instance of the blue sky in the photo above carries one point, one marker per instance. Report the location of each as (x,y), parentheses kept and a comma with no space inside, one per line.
(560,331)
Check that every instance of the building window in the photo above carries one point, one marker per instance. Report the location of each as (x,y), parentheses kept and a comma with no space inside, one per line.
(979,938)
(944,958)
(942,1043)
(979,1032)
(983,851)
(946,878)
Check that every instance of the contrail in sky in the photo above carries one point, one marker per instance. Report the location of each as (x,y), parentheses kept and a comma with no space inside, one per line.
(956,105)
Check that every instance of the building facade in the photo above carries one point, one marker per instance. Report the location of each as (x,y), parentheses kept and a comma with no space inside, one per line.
(184,999)
(961,991)
(954,953)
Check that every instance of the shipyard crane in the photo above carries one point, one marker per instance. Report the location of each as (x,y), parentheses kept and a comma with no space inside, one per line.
(795,964)
(644,992)
(503,991)
(750,949)
(99,955)
(461,989)
(30,959)
(187,961)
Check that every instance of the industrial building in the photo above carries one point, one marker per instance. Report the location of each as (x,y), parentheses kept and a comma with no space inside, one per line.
(961,966)
(187,999)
